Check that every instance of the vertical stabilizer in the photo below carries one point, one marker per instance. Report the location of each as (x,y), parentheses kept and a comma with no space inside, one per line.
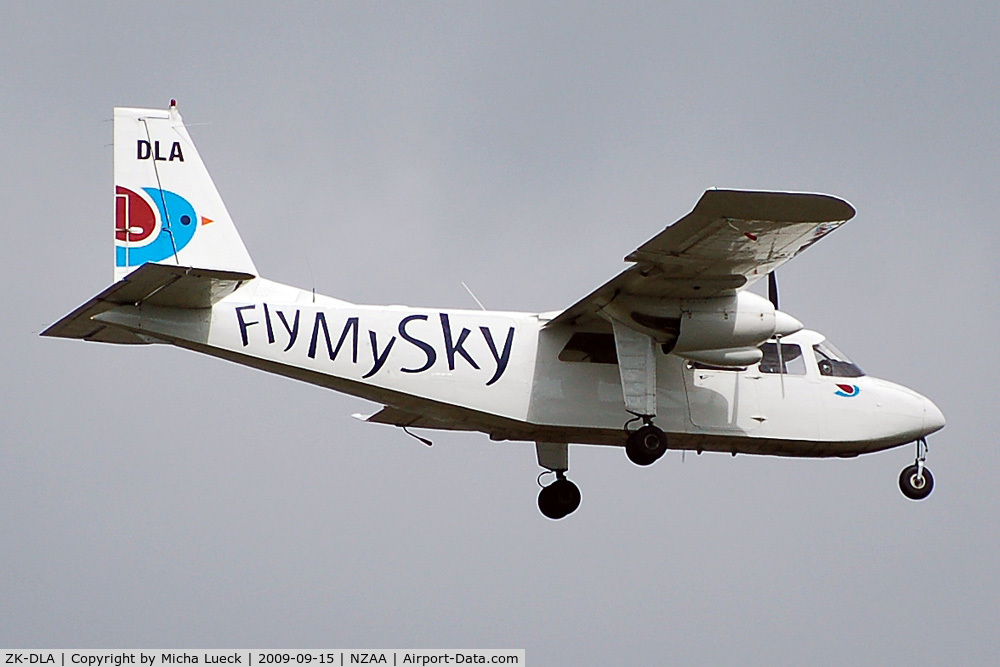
(167,209)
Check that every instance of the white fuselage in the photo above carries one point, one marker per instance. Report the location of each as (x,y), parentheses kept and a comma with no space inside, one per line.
(501,373)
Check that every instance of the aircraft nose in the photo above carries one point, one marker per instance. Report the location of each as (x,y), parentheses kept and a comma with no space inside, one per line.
(933,417)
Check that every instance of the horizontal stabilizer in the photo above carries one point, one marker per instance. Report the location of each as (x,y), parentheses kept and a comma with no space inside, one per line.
(152,284)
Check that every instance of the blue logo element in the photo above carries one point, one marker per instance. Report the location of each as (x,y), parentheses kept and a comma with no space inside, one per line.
(176,229)
(848,390)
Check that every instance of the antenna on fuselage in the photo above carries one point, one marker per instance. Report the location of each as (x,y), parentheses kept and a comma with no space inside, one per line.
(410,433)
(312,278)
(481,306)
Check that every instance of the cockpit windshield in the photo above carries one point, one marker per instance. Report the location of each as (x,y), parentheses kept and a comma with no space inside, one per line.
(834,363)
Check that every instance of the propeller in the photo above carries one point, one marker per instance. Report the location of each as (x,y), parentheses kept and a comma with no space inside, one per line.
(772,289)
(784,324)
(772,296)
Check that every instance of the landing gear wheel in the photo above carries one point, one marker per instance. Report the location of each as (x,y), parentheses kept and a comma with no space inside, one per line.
(645,445)
(559,499)
(916,484)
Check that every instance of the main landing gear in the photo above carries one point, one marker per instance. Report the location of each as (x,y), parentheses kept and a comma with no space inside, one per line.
(646,444)
(916,481)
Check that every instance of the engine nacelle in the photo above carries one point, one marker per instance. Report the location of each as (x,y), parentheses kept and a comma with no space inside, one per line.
(744,320)
(719,331)
(732,358)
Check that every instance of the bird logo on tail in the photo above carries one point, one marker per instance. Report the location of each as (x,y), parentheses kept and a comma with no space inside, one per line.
(147,234)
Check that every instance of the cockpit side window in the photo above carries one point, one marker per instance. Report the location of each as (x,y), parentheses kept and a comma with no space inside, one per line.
(791,357)
(834,363)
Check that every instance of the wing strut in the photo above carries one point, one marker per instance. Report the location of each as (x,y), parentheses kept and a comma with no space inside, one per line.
(637,366)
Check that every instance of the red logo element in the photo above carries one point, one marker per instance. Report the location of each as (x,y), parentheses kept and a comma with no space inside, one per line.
(847,390)
(134,218)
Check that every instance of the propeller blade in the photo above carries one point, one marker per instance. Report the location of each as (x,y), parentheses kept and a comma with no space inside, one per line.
(772,289)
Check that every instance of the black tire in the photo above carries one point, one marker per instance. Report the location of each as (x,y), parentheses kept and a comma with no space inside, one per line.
(547,504)
(914,487)
(644,446)
(559,499)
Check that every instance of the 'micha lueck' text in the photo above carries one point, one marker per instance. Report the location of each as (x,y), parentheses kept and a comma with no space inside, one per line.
(329,335)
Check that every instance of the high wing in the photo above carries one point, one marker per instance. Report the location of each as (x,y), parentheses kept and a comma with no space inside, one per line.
(730,239)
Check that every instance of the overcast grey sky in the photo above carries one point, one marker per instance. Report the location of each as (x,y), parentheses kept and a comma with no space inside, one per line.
(384,153)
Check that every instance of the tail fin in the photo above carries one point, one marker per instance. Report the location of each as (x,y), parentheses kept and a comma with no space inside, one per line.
(167,209)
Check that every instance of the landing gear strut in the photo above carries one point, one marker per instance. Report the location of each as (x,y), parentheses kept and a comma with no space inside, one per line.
(560,498)
(916,481)
(646,444)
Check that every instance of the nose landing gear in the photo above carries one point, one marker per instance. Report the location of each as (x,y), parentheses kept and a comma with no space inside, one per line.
(560,498)
(916,481)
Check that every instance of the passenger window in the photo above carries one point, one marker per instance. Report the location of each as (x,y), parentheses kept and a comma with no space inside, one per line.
(791,356)
(594,348)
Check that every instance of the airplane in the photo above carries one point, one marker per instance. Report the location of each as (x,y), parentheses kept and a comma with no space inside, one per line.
(672,353)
